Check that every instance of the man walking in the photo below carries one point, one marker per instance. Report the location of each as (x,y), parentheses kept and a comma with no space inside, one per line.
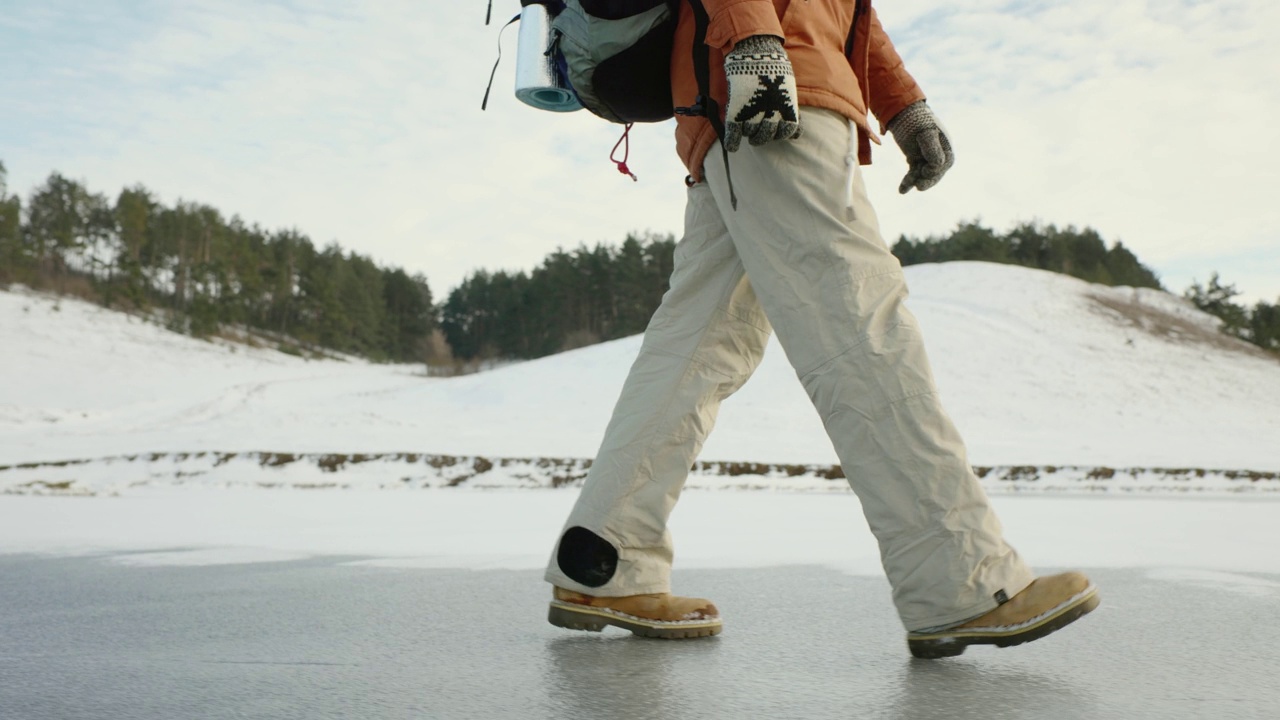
(780,237)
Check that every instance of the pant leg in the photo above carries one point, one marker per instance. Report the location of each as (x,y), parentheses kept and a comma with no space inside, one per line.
(704,341)
(834,294)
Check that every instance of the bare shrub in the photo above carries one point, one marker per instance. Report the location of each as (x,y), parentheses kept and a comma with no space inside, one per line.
(835,472)
(579,339)
(1168,326)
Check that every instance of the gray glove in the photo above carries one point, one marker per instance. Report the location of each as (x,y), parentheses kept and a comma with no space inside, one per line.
(762,93)
(924,141)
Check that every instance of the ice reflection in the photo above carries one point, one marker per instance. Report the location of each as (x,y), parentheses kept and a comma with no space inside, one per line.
(974,689)
(620,676)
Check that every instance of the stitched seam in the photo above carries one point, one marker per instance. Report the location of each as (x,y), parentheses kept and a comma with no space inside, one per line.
(608,612)
(690,360)
(862,340)
(910,395)
(748,321)
(874,275)
(704,363)
(1006,630)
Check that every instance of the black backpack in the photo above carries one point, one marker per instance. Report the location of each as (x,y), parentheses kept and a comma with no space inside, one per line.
(616,55)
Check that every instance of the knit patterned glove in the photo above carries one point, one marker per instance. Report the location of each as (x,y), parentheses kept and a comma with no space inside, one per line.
(762,93)
(924,141)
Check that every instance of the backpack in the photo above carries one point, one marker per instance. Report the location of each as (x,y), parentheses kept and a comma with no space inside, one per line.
(616,55)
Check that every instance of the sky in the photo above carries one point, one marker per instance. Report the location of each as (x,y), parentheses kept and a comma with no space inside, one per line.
(360,123)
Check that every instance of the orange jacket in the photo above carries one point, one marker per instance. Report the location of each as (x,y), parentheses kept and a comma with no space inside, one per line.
(815,31)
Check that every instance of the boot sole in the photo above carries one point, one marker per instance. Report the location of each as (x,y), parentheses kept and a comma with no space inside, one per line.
(954,642)
(590,619)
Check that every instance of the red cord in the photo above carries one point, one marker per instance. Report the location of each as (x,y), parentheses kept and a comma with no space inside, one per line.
(625,143)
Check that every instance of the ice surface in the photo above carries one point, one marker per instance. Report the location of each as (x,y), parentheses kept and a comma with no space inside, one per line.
(514,529)
(85,639)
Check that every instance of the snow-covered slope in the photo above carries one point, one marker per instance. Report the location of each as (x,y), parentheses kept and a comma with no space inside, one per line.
(1036,368)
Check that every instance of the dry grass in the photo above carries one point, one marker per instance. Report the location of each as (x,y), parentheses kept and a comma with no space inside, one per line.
(1167,326)
(277,459)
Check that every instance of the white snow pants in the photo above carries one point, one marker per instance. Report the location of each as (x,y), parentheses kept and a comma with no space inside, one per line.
(801,254)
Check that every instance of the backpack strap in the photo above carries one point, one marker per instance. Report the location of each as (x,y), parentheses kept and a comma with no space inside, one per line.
(704,105)
(484,104)
(858,8)
(863,143)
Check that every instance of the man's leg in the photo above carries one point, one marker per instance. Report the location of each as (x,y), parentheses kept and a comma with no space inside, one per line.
(834,294)
(702,344)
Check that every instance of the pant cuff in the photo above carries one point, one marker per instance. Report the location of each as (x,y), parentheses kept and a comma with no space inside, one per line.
(949,620)
(641,571)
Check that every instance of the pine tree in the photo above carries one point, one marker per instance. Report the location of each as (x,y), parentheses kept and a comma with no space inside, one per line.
(133,212)
(1264,325)
(971,241)
(13,258)
(1125,269)
(1216,300)
(632,296)
(58,225)
(410,316)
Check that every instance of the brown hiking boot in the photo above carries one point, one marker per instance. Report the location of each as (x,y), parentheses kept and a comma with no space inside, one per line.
(1047,604)
(660,615)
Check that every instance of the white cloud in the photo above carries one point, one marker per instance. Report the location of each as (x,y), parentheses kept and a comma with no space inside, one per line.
(1147,120)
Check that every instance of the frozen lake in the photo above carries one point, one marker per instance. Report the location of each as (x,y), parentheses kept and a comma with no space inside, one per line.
(93,637)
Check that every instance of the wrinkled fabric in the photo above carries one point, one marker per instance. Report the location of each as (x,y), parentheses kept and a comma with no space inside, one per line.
(799,256)
(871,78)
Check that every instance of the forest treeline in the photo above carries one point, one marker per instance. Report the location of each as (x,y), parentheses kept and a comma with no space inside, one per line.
(591,295)
(204,274)
(1259,324)
(572,299)
(1081,253)
(201,272)
(1084,254)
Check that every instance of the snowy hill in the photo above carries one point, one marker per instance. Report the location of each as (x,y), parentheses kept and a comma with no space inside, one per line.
(1037,369)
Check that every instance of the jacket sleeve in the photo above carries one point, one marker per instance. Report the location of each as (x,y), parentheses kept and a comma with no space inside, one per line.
(734,20)
(891,87)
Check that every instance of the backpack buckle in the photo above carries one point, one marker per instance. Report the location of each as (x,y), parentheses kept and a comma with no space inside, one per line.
(697,109)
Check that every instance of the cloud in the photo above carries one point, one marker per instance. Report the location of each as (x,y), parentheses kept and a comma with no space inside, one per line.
(1147,120)
(361,123)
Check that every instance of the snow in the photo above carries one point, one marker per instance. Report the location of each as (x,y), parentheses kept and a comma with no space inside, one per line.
(1177,540)
(1032,367)
(1117,425)
(111,476)
(214,451)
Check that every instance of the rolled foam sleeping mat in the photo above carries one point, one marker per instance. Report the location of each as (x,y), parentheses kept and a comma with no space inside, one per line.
(537,82)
